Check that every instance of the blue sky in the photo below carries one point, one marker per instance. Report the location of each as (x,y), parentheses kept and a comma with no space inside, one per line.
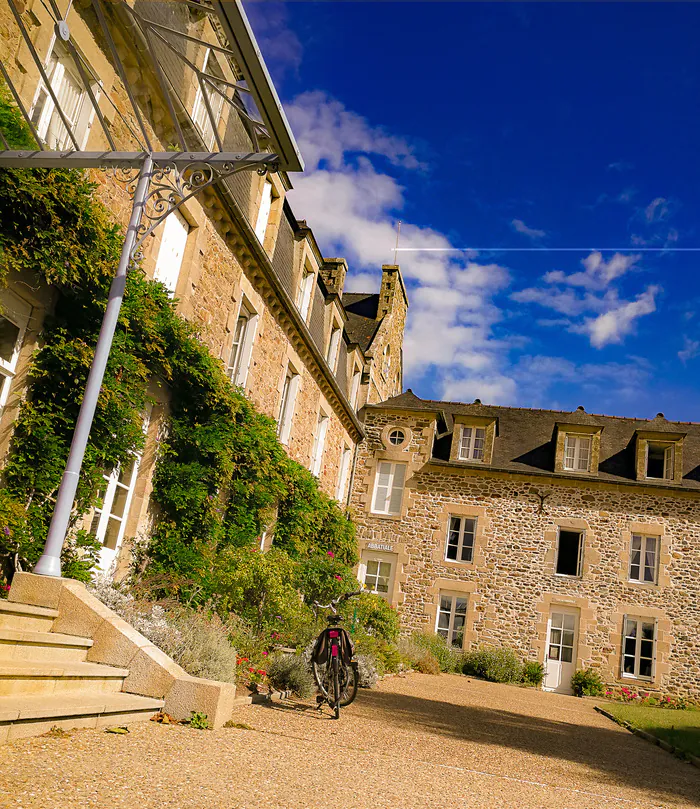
(500,126)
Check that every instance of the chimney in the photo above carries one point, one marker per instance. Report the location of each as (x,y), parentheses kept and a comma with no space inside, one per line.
(333,273)
(393,291)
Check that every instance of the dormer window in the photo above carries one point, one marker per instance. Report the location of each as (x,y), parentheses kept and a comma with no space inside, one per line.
(577,453)
(660,458)
(334,347)
(306,288)
(472,443)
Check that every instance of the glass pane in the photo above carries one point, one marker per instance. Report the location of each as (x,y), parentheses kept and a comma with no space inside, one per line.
(630,646)
(568,639)
(557,619)
(458,623)
(112,533)
(645,668)
(631,629)
(636,543)
(461,606)
(9,334)
(446,603)
(467,552)
(443,621)
(554,653)
(555,636)
(458,639)
(452,552)
(648,631)
(566,654)
(569,621)
(372,567)
(119,503)
(647,649)
(443,632)
(384,568)
(455,523)
(635,572)
(382,585)
(628,665)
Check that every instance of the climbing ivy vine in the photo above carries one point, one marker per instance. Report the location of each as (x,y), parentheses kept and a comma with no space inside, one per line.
(221,475)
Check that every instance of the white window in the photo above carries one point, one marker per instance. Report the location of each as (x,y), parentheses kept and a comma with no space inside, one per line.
(660,458)
(569,553)
(14,318)
(638,647)
(109,521)
(397,437)
(172,251)
(264,211)
(319,441)
(242,348)
(451,618)
(388,488)
(644,555)
(378,576)
(471,444)
(355,386)
(306,289)
(343,474)
(460,539)
(289,394)
(577,453)
(200,115)
(334,347)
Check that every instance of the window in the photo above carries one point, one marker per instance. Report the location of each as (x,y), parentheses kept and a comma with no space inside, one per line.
(460,539)
(577,453)
(319,441)
(452,616)
(378,576)
(306,288)
(638,646)
(569,553)
(172,251)
(264,211)
(73,99)
(14,317)
(200,115)
(471,444)
(644,553)
(333,347)
(660,459)
(241,350)
(562,631)
(388,488)
(343,474)
(289,392)
(355,386)
(109,521)
(397,437)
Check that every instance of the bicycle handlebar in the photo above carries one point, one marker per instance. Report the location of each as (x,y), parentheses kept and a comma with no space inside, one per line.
(334,603)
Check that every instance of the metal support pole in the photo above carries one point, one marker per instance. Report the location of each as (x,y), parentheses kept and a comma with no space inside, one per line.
(50,562)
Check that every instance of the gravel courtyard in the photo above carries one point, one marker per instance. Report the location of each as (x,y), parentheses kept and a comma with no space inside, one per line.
(416,741)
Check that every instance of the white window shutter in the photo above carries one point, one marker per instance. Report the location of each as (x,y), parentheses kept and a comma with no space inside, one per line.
(264,211)
(668,463)
(172,251)
(397,488)
(381,494)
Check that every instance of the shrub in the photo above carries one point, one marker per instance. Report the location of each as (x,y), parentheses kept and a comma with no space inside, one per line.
(533,672)
(449,659)
(374,614)
(367,671)
(290,673)
(427,663)
(587,683)
(498,665)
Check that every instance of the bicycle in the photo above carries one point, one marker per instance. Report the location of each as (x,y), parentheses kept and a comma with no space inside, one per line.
(334,669)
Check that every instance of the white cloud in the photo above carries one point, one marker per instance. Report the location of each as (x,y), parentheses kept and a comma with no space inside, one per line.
(619,321)
(657,210)
(597,273)
(532,233)
(690,350)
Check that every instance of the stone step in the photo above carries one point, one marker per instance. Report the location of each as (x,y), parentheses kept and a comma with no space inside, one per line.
(21,717)
(25,617)
(45,647)
(29,678)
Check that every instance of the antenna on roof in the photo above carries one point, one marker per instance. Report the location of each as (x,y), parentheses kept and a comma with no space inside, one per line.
(398,234)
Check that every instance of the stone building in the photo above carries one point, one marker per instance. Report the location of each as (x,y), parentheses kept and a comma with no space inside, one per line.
(572,538)
(235,259)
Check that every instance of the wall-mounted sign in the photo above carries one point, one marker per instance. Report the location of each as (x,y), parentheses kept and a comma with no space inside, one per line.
(379,546)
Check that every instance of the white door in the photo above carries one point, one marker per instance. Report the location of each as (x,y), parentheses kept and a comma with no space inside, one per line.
(560,653)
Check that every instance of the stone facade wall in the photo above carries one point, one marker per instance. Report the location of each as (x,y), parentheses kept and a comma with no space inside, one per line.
(511,583)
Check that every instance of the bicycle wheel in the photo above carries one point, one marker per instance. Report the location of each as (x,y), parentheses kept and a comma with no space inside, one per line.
(322,676)
(336,687)
(348,685)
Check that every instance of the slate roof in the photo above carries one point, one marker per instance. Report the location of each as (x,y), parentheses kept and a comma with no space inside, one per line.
(525,440)
(361,309)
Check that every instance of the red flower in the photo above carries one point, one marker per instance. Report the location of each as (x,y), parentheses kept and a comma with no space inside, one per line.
(331,554)
(340,578)
(264,673)
(251,669)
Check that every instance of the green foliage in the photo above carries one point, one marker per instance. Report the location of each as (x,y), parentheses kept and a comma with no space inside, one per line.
(448,657)
(427,663)
(290,673)
(12,124)
(587,683)
(533,672)
(322,578)
(198,720)
(496,664)
(373,613)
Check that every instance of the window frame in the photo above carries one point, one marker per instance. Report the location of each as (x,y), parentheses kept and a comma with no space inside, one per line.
(461,531)
(18,312)
(577,438)
(640,620)
(401,432)
(355,385)
(305,292)
(669,449)
(319,443)
(105,510)
(391,488)
(641,564)
(343,470)
(378,575)
(474,431)
(263,218)
(450,629)
(242,346)
(290,388)
(582,541)
(333,352)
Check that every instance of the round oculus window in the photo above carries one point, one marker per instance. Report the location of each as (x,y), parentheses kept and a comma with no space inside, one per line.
(397,437)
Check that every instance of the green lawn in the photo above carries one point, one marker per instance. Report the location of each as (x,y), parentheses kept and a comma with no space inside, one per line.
(679,728)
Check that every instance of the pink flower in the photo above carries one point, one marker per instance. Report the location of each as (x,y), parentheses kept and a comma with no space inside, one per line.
(331,554)
(265,653)
(340,578)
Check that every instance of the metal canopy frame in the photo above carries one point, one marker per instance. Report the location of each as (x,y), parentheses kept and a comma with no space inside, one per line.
(159,182)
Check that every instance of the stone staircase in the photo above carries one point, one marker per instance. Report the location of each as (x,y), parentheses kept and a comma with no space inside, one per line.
(45,680)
